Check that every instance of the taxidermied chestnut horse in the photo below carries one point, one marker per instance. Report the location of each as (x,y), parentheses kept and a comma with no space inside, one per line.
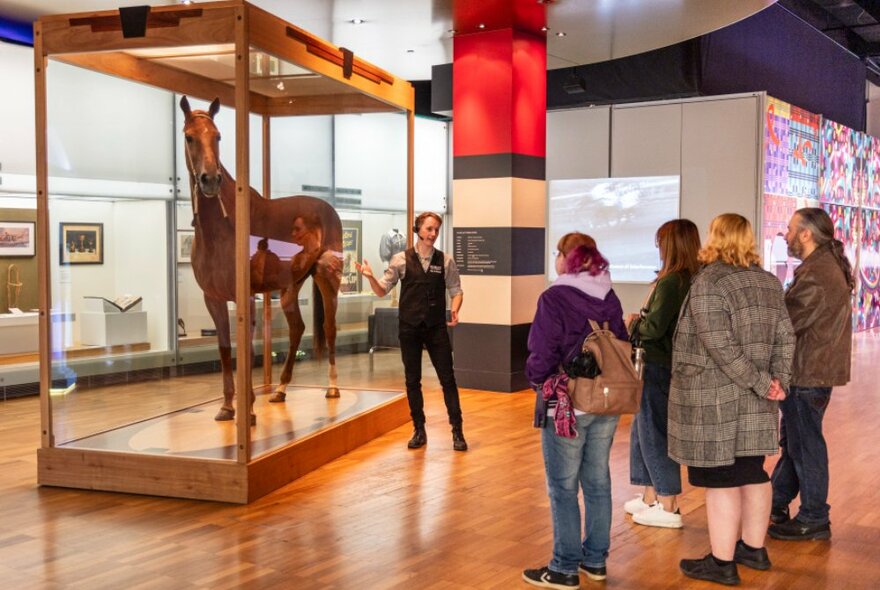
(305,221)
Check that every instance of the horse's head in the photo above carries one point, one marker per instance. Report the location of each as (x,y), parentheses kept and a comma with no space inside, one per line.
(203,147)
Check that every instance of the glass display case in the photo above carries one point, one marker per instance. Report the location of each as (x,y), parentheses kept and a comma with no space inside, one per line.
(173,267)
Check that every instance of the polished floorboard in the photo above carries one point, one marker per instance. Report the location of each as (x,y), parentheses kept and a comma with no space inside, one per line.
(386,517)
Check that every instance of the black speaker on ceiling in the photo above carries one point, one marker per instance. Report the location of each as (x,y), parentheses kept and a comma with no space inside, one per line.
(574,84)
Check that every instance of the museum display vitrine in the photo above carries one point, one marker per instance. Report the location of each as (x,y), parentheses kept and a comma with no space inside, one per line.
(168,142)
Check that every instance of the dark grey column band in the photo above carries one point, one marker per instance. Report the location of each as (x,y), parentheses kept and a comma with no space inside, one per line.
(491,357)
(499,166)
(499,251)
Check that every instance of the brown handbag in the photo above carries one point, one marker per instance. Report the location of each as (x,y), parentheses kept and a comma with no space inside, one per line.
(618,388)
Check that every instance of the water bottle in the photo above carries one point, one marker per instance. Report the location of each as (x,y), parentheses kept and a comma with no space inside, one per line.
(639,360)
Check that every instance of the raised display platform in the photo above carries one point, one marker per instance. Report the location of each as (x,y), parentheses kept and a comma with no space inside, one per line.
(186,454)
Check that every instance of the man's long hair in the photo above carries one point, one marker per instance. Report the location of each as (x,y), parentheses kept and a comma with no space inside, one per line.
(820,225)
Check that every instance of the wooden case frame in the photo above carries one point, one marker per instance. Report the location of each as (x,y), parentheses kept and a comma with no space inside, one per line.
(102,41)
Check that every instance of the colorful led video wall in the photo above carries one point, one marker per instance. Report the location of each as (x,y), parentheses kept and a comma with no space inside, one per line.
(811,162)
(791,178)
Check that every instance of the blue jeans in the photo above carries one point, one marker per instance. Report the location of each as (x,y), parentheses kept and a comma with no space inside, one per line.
(649,463)
(803,467)
(579,462)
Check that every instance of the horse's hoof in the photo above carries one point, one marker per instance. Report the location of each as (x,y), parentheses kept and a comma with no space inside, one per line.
(224,414)
(253,419)
(332,392)
(278,397)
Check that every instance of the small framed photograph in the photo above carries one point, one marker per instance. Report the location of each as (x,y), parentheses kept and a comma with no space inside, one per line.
(17,238)
(185,245)
(82,243)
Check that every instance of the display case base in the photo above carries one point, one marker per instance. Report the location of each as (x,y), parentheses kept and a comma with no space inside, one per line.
(186,454)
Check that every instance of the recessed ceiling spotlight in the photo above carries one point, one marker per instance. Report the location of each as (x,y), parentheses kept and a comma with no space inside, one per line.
(481,26)
(280,85)
(357,21)
(545,29)
(186,1)
(452,31)
(560,34)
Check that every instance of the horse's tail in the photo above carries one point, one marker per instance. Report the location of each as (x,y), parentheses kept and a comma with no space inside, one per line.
(319,338)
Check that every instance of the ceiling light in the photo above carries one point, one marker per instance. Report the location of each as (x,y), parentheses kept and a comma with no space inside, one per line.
(357,21)
(186,1)
(545,28)
(560,34)
(481,26)
(280,85)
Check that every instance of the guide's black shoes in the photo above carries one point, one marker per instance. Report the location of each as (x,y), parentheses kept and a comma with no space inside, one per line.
(796,530)
(419,438)
(547,578)
(458,442)
(757,559)
(709,570)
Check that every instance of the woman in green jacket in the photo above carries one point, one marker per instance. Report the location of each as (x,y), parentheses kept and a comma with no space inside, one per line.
(650,466)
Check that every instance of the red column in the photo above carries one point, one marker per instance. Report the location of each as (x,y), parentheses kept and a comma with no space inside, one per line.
(499,196)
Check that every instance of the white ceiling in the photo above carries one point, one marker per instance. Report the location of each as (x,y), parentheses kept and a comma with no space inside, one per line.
(407,37)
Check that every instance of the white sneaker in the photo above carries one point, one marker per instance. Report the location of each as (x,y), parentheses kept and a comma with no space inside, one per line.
(635,505)
(656,516)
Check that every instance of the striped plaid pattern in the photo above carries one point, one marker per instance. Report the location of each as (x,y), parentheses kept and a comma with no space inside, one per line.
(734,334)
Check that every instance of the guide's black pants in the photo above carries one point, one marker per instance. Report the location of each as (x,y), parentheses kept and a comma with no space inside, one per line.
(436,340)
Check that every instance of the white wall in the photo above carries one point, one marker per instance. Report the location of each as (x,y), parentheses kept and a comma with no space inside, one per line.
(107,128)
(17,145)
(712,143)
(720,147)
(135,261)
(302,154)
(140,259)
(370,154)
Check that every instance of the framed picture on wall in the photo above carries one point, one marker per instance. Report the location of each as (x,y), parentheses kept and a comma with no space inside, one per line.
(185,245)
(351,253)
(17,238)
(81,243)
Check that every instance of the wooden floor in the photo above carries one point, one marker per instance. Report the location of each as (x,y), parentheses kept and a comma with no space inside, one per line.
(386,517)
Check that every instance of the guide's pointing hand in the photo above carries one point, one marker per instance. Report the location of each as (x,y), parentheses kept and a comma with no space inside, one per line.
(364,268)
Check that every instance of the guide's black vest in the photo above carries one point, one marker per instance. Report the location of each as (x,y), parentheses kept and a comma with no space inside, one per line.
(423,294)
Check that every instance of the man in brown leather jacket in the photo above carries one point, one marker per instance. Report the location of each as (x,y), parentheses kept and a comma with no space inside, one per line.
(820,308)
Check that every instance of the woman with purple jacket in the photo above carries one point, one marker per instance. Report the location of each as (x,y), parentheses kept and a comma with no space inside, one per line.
(576,445)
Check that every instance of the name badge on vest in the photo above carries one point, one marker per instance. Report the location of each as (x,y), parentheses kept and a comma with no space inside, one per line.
(435,268)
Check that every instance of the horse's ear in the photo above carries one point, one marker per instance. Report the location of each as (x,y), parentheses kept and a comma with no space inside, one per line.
(214,108)
(184,106)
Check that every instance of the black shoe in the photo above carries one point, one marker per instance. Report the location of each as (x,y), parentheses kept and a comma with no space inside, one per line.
(795,530)
(757,559)
(594,573)
(547,578)
(458,442)
(419,438)
(708,569)
(779,515)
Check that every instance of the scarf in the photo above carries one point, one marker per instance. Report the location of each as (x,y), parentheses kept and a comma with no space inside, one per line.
(564,420)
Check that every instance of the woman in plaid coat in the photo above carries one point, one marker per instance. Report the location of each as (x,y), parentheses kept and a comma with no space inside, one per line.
(731,362)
